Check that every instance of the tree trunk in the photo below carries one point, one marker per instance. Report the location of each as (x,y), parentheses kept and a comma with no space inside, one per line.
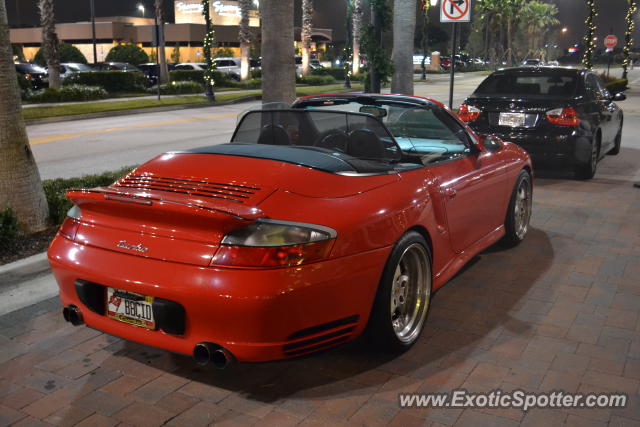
(305,34)
(20,185)
(162,60)
(50,42)
(509,42)
(404,25)
(356,18)
(278,66)
(374,74)
(245,40)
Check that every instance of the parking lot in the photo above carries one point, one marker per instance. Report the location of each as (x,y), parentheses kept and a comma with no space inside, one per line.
(559,312)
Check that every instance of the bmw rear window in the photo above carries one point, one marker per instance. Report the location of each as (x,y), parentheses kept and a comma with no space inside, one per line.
(529,85)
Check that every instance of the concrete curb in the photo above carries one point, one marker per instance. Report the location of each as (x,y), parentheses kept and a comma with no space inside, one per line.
(100,115)
(23,269)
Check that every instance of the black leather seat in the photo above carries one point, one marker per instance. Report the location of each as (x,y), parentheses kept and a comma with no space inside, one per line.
(363,143)
(274,135)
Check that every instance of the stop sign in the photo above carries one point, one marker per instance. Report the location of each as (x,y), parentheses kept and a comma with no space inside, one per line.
(610,41)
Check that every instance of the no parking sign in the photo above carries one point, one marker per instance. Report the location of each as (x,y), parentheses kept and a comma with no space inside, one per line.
(455,11)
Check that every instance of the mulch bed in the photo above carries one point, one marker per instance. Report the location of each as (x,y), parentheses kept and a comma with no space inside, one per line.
(27,245)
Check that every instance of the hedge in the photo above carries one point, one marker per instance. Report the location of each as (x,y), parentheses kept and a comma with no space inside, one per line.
(8,227)
(618,85)
(111,81)
(68,93)
(316,80)
(178,88)
(221,79)
(336,72)
(56,196)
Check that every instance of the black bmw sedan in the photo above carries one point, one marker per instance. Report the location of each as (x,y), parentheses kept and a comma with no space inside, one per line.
(562,116)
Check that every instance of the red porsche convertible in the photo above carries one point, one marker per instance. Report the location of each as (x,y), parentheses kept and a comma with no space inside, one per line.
(339,215)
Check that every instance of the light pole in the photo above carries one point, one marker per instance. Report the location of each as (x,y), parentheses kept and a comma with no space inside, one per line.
(93,31)
(141,8)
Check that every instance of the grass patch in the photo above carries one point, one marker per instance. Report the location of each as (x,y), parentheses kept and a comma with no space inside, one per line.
(134,104)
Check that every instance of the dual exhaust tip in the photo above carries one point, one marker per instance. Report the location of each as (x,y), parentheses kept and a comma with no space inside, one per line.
(73,315)
(206,352)
(203,353)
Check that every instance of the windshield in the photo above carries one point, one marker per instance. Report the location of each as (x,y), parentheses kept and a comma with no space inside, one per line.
(79,67)
(418,129)
(29,68)
(359,136)
(529,85)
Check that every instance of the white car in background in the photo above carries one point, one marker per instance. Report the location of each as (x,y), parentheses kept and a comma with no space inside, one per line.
(230,66)
(69,68)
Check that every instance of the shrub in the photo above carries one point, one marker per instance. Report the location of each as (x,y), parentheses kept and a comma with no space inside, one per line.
(111,81)
(55,190)
(68,53)
(256,74)
(316,80)
(178,88)
(69,93)
(127,53)
(248,84)
(223,52)
(8,227)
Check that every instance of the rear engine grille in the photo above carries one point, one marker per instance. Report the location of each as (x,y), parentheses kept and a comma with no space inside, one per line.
(321,336)
(230,192)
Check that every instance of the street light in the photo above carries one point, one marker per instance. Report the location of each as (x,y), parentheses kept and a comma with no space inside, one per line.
(564,30)
(433,2)
(141,9)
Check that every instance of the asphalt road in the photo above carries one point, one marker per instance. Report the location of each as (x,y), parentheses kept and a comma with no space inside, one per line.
(76,148)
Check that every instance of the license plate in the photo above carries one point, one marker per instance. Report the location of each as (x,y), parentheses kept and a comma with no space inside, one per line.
(131,308)
(513,120)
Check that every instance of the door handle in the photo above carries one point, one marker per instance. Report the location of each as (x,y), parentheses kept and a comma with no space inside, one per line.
(450,193)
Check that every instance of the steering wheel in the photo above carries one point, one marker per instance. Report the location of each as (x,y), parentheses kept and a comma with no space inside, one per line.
(336,140)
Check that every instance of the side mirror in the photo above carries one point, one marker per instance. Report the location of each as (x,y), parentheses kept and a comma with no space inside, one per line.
(620,96)
(490,143)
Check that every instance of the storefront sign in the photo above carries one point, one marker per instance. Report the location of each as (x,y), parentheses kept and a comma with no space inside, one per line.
(188,8)
(224,9)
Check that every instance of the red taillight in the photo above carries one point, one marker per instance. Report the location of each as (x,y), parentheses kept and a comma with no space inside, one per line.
(468,113)
(271,256)
(69,228)
(563,116)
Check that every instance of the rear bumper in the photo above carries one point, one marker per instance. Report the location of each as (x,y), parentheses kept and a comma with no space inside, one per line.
(258,315)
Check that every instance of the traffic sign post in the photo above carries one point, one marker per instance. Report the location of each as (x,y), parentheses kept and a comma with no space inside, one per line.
(610,42)
(454,11)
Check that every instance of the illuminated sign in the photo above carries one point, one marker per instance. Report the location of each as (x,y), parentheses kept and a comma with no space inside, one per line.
(189,7)
(223,9)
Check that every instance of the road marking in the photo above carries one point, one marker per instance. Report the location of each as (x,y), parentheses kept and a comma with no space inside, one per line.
(54,138)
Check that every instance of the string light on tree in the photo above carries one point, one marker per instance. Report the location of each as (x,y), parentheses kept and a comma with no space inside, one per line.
(628,41)
(589,38)
(209,40)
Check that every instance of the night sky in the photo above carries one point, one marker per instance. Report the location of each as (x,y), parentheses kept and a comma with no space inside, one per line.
(572,14)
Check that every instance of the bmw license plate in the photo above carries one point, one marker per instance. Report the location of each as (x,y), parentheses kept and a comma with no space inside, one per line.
(514,120)
(131,308)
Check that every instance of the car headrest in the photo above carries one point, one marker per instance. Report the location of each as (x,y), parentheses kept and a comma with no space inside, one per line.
(333,141)
(274,135)
(363,143)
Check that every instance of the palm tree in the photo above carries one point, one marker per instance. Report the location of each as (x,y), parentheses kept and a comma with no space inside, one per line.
(278,66)
(50,42)
(162,59)
(537,17)
(356,26)
(404,25)
(245,39)
(628,41)
(305,34)
(20,185)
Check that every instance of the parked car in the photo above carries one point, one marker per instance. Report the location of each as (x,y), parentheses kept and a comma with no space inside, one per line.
(190,66)
(35,74)
(229,66)
(532,63)
(69,68)
(150,69)
(117,66)
(561,116)
(314,222)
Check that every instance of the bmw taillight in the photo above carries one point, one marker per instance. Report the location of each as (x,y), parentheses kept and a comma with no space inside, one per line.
(469,113)
(563,116)
(271,243)
(71,223)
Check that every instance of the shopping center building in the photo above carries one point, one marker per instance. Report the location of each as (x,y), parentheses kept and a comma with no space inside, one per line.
(186,33)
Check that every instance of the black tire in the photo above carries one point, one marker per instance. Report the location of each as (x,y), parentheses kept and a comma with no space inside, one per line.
(588,170)
(516,224)
(617,143)
(383,321)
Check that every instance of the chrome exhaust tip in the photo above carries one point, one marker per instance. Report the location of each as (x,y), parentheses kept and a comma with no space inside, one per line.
(206,352)
(73,315)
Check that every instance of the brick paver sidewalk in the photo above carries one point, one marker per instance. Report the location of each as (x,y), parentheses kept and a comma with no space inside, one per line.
(558,312)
